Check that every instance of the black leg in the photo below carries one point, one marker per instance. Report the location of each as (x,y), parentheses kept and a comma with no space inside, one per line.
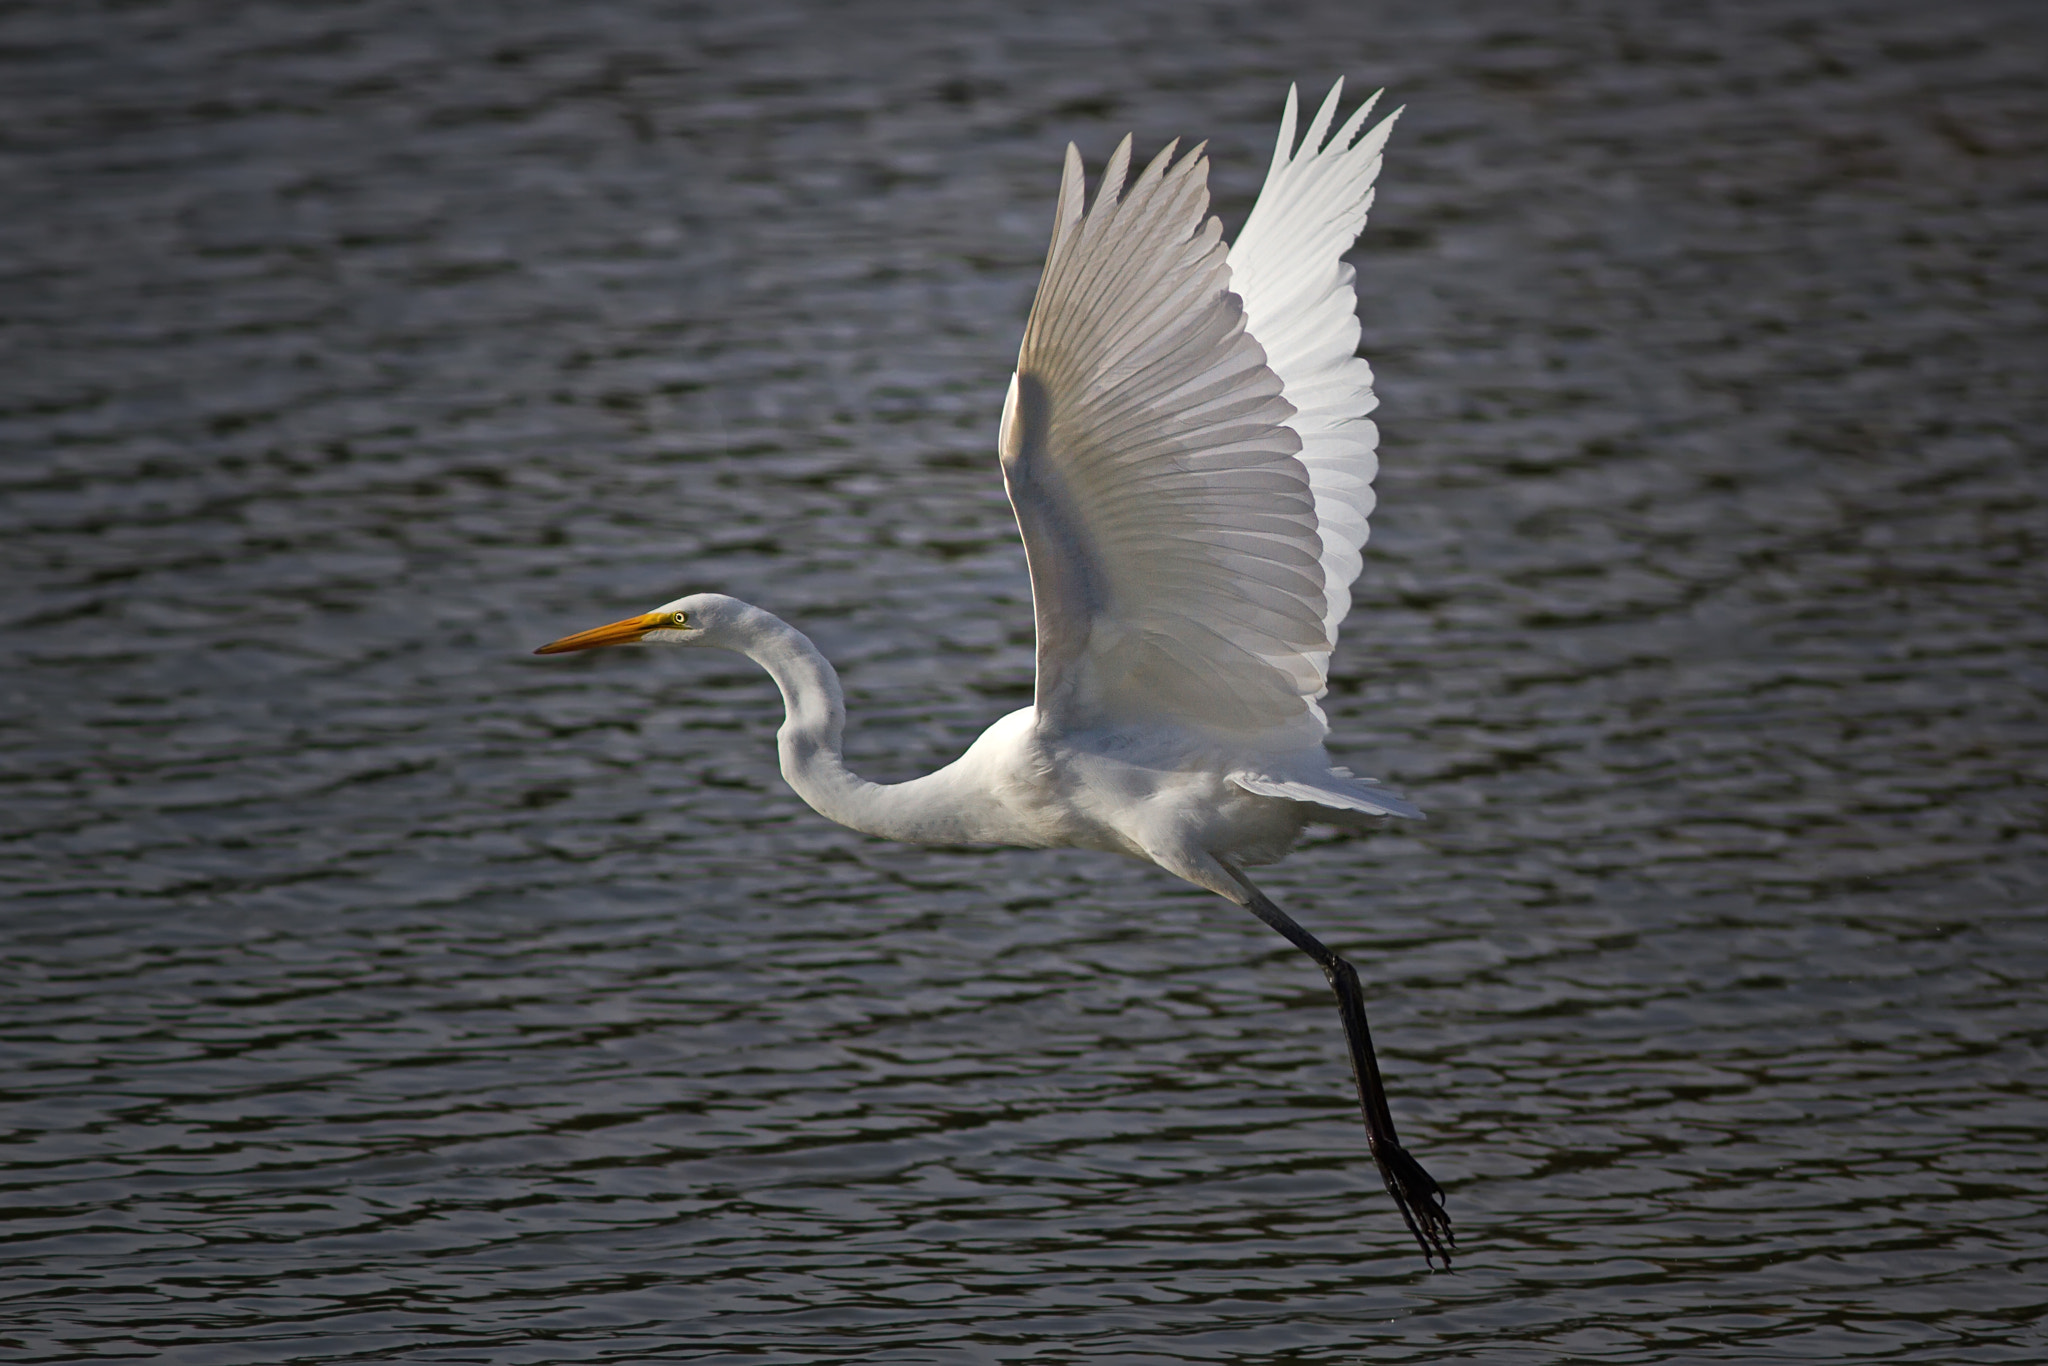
(1415,1192)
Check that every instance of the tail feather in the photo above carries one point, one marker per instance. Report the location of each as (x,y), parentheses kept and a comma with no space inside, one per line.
(1335,789)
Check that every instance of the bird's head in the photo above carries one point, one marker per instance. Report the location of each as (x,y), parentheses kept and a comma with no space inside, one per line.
(700,619)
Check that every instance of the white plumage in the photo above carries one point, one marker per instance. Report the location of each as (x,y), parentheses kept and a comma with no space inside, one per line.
(1186,445)
(1288,268)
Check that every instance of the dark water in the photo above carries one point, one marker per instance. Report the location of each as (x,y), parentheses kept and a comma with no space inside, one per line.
(374,991)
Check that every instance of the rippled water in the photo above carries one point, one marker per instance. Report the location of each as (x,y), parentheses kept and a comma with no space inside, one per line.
(375,991)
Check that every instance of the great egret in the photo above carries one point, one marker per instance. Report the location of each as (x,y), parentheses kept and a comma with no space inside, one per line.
(1186,447)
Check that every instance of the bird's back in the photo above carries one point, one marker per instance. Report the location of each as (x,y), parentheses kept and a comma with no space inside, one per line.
(1151,792)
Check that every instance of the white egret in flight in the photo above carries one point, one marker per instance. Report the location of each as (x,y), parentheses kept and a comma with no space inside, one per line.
(1186,447)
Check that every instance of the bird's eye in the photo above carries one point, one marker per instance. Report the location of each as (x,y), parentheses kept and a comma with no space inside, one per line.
(680,619)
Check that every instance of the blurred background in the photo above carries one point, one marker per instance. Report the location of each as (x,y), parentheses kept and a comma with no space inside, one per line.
(374,991)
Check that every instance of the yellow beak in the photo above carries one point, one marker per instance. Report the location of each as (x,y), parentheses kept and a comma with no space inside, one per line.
(625,632)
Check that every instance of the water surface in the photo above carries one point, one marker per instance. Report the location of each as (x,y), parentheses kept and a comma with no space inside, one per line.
(377,992)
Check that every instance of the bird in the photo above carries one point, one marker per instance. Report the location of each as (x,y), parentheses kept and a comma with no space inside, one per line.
(1186,446)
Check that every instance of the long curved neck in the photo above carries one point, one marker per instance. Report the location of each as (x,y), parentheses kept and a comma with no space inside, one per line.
(935,809)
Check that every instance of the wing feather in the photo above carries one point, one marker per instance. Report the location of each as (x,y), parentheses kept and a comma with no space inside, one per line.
(1176,568)
(1300,305)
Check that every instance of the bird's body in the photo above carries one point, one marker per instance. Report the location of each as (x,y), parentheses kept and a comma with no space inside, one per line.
(1186,448)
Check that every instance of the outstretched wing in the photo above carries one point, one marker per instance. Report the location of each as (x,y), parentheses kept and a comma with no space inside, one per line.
(1176,569)
(1287,266)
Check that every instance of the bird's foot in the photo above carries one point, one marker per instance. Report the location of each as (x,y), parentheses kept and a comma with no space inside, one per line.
(1419,1198)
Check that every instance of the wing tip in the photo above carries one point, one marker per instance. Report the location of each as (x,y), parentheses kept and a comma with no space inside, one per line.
(1073,188)
(1283,146)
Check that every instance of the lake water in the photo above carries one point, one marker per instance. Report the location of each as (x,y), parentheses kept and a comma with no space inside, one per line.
(374,991)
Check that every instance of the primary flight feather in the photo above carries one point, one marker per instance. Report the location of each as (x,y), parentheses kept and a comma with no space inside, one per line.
(1186,445)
